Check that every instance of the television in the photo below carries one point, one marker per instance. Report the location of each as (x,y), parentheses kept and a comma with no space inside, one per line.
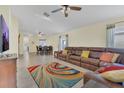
(4,35)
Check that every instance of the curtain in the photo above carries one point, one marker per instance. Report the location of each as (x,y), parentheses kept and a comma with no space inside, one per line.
(59,45)
(110,35)
(66,40)
(63,42)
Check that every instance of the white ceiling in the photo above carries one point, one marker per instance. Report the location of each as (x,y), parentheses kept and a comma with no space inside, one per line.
(31,19)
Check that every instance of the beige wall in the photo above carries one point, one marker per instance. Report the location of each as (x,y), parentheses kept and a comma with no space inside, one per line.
(13,29)
(92,36)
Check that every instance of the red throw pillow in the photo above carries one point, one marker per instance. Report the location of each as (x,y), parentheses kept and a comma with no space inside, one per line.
(110,68)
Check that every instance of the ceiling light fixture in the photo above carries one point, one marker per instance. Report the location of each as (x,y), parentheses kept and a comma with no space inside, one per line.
(66,10)
(41,33)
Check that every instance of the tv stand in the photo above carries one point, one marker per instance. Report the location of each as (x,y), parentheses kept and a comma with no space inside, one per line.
(8,71)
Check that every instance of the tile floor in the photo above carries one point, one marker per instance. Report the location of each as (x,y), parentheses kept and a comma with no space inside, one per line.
(24,79)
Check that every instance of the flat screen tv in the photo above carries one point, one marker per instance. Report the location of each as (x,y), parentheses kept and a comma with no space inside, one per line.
(4,35)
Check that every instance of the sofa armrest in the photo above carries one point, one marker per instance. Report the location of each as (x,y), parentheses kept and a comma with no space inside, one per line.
(56,53)
(98,78)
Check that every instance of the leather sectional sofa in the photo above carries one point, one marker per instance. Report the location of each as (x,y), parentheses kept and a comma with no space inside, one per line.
(92,63)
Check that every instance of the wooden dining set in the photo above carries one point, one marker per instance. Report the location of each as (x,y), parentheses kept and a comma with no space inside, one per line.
(44,50)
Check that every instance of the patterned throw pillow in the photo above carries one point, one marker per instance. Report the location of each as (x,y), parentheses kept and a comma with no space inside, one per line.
(110,68)
(115,56)
(114,75)
(85,54)
(64,52)
(107,57)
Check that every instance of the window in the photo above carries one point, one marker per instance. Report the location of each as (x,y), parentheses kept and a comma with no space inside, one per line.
(42,42)
(119,37)
(115,36)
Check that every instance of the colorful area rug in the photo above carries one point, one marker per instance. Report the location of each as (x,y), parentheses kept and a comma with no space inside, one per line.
(55,75)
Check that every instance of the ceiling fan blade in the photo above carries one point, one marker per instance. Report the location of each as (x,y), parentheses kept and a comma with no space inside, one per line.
(75,8)
(56,10)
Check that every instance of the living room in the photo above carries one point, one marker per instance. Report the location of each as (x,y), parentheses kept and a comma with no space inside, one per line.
(62,46)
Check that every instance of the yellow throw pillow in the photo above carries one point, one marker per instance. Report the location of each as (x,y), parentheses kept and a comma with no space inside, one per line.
(115,57)
(64,52)
(114,76)
(85,54)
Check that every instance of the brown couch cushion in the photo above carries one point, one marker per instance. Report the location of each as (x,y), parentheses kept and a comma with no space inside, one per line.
(95,55)
(120,59)
(75,62)
(88,66)
(91,61)
(74,57)
(73,52)
(78,53)
(62,55)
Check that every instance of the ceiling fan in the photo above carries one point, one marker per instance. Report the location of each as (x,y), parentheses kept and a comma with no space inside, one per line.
(66,9)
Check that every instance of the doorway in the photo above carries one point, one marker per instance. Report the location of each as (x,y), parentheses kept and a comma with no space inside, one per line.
(26,44)
(63,42)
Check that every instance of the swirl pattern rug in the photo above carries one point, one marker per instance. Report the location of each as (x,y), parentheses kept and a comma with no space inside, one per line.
(55,75)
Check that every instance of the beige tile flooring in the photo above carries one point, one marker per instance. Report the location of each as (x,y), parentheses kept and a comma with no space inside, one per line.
(24,79)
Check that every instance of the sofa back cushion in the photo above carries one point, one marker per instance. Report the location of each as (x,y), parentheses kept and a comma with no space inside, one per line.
(78,53)
(73,52)
(120,59)
(107,57)
(95,55)
(97,49)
